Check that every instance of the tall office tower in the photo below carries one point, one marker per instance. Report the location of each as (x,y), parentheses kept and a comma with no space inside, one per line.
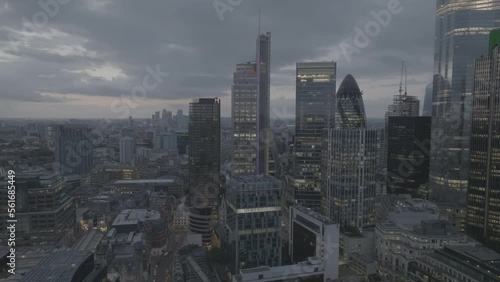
(264,102)
(462,30)
(483,195)
(244,119)
(157,115)
(408,155)
(251,112)
(204,151)
(45,213)
(427,111)
(254,220)
(349,160)
(73,149)
(314,111)
(126,149)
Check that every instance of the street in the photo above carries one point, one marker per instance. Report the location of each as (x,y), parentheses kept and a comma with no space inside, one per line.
(161,266)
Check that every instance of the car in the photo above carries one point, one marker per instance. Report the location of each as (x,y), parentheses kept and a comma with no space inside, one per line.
(166,254)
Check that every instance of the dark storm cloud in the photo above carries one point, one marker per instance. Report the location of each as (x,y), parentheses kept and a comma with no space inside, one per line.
(101,48)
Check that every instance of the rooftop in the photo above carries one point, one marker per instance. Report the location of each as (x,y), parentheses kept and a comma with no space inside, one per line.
(60,267)
(134,216)
(315,215)
(144,181)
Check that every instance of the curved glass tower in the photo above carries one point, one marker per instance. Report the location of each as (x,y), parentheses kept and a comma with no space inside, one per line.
(350,107)
(462,33)
(350,162)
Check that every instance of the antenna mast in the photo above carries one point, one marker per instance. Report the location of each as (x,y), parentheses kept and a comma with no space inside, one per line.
(406,81)
(401,80)
(259,22)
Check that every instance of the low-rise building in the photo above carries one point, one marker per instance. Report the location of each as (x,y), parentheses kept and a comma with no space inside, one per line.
(457,263)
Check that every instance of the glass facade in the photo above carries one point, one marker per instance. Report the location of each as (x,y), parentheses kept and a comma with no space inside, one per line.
(250,95)
(462,32)
(73,149)
(483,195)
(314,111)
(254,220)
(264,102)
(427,111)
(408,155)
(350,109)
(244,118)
(350,162)
(45,212)
(204,152)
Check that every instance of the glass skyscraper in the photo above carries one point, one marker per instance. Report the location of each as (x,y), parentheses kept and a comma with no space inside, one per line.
(244,118)
(462,30)
(254,219)
(314,111)
(349,162)
(73,149)
(204,152)
(250,96)
(483,194)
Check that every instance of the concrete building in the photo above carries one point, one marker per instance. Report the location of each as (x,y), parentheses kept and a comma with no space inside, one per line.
(456,264)
(66,266)
(45,212)
(412,231)
(314,235)
(191,264)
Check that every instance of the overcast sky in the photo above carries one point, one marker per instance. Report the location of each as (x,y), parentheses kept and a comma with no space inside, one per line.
(83,58)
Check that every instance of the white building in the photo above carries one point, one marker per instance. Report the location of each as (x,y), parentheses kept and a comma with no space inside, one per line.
(314,235)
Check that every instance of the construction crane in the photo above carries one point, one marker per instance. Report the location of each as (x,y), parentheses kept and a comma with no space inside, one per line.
(403,70)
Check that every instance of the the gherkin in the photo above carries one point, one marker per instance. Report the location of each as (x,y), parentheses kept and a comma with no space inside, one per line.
(350,107)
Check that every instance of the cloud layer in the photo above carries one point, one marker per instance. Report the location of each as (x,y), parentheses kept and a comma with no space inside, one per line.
(89,53)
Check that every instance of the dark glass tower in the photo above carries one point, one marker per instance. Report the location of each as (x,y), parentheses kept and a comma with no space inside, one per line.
(314,111)
(204,151)
(427,111)
(483,194)
(73,149)
(408,155)
(263,102)
(462,30)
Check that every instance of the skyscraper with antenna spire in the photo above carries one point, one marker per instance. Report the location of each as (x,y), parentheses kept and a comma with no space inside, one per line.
(250,98)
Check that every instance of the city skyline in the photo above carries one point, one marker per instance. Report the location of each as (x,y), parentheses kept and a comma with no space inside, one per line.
(72,67)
